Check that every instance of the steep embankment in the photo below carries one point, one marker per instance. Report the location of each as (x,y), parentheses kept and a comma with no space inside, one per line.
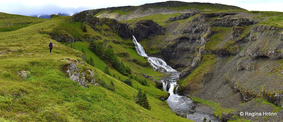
(229,59)
(61,86)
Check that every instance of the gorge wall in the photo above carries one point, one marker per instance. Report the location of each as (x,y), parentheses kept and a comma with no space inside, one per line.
(225,57)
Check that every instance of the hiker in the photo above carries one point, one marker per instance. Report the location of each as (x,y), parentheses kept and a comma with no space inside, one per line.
(50,46)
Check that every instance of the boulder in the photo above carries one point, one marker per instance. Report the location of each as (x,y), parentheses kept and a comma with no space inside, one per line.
(23,74)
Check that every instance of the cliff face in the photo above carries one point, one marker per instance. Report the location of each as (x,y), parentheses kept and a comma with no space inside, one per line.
(226,57)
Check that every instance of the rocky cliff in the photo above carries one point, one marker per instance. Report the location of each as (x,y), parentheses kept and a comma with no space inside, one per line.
(226,57)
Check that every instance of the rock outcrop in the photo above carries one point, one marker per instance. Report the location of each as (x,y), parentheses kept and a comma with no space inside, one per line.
(78,75)
(75,75)
(64,38)
(187,43)
(86,17)
(23,74)
(144,28)
(181,17)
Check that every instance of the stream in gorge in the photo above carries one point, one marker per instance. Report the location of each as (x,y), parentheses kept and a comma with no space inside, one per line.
(181,105)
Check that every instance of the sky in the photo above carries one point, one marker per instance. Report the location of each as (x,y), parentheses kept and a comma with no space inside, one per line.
(36,7)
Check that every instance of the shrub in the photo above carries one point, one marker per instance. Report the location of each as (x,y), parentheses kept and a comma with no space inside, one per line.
(106,70)
(141,99)
(110,86)
(128,82)
(109,56)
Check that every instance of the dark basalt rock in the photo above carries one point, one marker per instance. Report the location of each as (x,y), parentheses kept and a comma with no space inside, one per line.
(121,29)
(183,16)
(228,22)
(144,28)
(206,77)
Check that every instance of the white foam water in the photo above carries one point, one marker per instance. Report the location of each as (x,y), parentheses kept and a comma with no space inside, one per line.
(179,104)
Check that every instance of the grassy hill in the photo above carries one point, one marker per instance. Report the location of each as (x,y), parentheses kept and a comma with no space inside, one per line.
(47,94)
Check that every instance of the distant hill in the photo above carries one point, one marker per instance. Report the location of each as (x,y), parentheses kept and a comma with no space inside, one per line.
(47,16)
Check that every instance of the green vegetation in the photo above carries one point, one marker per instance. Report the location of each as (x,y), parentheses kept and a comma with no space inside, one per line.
(9,22)
(206,7)
(275,21)
(216,106)
(128,82)
(273,18)
(158,18)
(275,107)
(109,57)
(239,120)
(195,76)
(141,99)
(124,11)
(217,39)
(47,94)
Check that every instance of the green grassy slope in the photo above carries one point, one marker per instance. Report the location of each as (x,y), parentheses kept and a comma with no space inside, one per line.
(49,95)
(173,5)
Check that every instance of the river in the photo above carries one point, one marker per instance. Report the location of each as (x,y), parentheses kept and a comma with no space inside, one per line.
(181,105)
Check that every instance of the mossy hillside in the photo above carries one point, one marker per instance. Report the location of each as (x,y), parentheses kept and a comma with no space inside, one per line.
(48,94)
(207,7)
(216,106)
(274,19)
(196,75)
(158,18)
(124,46)
(100,64)
(105,35)
(217,39)
(172,5)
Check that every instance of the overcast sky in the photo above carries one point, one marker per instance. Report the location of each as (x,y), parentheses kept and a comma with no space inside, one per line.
(35,7)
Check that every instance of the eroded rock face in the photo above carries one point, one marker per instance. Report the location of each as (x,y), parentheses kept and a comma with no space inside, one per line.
(144,28)
(92,81)
(228,22)
(86,17)
(75,75)
(187,44)
(206,77)
(267,42)
(185,72)
(236,31)
(245,64)
(181,17)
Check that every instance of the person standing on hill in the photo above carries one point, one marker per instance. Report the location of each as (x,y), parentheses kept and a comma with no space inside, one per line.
(50,46)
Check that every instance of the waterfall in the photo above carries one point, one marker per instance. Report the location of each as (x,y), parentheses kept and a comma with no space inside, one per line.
(157,63)
(139,48)
(179,104)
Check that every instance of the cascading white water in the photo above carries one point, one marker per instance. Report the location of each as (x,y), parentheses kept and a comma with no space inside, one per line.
(139,48)
(157,63)
(178,104)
